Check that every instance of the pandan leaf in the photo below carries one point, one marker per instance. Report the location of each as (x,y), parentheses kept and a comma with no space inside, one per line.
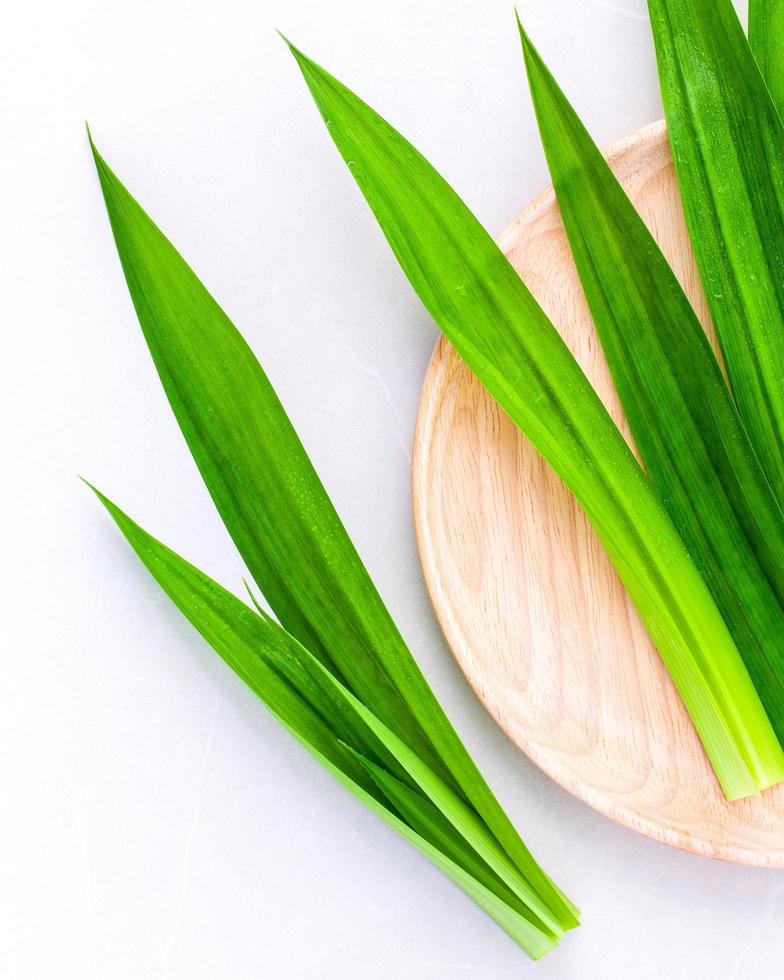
(260,478)
(455,811)
(766,37)
(452,808)
(282,521)
(728,145)
(681,413)
(428,821)
(493,321)
(313,704)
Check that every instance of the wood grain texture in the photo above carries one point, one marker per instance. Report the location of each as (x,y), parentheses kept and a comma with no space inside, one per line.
(528,600)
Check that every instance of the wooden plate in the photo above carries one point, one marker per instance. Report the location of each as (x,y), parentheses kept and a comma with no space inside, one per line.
(525,595)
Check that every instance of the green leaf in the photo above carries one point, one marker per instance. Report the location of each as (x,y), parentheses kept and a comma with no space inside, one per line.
(248,644)
(280,517)
(260,478)
(766,37)
(728,145)
(314,706)
(680,410)
(495,324)
(428,821)
(455,811)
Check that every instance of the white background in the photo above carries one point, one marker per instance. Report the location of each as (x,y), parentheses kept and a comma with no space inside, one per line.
(154,821)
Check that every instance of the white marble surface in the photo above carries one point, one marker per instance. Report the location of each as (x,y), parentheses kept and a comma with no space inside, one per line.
(154,821)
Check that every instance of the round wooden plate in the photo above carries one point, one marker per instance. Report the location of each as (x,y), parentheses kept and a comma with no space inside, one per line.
(524,592)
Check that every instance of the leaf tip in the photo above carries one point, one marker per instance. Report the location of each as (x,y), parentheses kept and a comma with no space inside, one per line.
(86,482)
(529,51)
(283,38)
(314,75)
(104,499)
(100,164)
(264,615)
(523,35)
(300,57)
(94,149)
(531,57)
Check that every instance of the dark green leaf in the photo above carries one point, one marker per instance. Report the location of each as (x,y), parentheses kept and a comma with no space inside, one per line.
(728,145)
(681,413)
(766,37)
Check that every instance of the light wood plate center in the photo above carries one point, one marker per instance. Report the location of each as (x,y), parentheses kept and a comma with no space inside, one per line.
(524,593)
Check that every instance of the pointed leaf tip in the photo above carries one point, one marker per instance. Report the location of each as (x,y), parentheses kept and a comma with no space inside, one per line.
(111,507)
(108,504)
(283,37)
(530,54)
(316,77)
(97,158)
(93,147)
(99,161)
(86,482)
(301,58)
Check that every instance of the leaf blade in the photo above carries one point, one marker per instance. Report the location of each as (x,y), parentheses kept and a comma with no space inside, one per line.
(680,410)
(279,515)
(728,147)
(492,320)
(766,38)
(428,821)
(246,642)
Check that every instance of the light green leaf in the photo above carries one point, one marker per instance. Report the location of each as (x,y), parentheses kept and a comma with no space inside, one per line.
(248,644)
(428,821)
(457,813)
(495,324)
(425,817)
(681,413)
(279,515)
(728,145)
(314,706)
(766,37)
